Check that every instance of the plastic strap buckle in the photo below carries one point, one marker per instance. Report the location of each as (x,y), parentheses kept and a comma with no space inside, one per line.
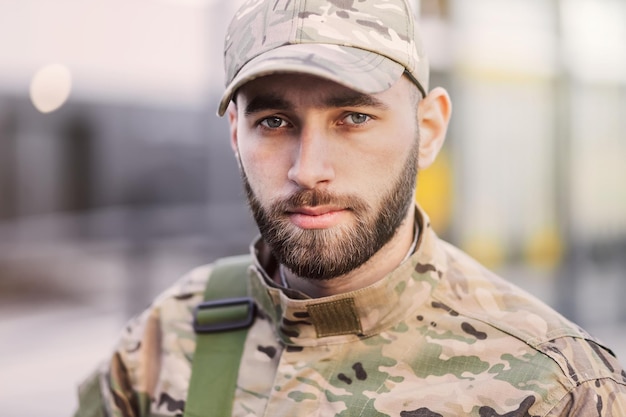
(223,315)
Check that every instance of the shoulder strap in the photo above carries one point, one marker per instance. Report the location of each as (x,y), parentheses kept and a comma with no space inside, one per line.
(221,324)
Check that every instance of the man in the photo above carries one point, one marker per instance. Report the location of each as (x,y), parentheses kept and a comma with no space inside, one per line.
(361,309)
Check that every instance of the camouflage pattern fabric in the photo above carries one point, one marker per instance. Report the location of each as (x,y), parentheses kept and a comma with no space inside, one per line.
(364,45)
(438,336)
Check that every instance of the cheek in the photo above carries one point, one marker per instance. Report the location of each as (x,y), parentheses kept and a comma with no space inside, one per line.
(264,169)
(251,153)
(385,160)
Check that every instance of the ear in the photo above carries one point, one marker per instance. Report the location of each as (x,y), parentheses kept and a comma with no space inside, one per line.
(433,114)
(232,121)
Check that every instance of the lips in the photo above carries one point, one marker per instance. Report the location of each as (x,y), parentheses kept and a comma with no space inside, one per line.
(315,211)
(318,217)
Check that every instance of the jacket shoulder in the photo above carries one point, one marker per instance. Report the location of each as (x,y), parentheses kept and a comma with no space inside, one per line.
(480,294)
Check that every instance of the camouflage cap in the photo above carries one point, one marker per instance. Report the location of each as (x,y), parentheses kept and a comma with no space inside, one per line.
(365,45)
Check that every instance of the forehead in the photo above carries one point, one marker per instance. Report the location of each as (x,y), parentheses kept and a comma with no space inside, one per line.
(279,90)
(294,87)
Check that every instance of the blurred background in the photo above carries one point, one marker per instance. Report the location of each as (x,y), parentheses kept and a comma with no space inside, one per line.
(116,176)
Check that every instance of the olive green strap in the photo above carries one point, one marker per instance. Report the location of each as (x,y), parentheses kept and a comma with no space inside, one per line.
(221,324)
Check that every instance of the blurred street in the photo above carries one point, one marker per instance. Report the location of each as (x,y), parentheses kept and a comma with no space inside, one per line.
(64,300)
(45,351)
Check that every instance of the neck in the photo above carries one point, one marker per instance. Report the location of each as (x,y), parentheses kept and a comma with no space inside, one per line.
(392,254)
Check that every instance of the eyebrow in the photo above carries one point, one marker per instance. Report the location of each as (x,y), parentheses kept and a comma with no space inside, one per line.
(354,99)
(266,102)
(350,99)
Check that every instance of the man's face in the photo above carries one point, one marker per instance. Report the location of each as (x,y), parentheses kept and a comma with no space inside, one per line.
(329,172)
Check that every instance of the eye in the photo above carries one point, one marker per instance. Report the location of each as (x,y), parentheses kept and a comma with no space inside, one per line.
(273,122)
(356,118)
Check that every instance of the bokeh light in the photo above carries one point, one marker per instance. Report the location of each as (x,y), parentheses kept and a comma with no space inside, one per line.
(50,87)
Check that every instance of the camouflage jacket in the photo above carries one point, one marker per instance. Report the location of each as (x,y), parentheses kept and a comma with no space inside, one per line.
(438,336)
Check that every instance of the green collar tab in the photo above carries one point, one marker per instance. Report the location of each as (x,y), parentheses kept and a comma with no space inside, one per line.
(335,318)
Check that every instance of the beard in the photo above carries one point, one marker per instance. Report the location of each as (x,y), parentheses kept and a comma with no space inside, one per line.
(323,254)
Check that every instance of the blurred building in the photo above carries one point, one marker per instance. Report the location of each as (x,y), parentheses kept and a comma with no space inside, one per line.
(108,136)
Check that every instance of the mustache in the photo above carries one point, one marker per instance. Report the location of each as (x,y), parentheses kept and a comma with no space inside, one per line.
(316,197)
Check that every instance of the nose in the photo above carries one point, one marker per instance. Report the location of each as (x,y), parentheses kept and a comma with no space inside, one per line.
(312,164)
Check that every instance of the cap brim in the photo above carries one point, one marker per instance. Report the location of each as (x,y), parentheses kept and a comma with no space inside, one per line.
(358,69)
